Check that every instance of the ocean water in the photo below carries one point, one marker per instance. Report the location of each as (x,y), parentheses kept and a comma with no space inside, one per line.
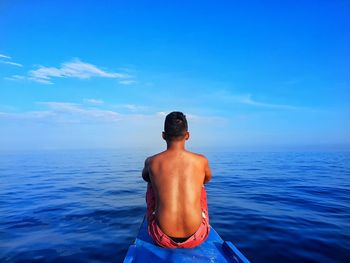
(86,206)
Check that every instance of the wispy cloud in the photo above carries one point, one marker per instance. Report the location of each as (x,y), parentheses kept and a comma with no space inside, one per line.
(247,99)
(196,118)
(4,59)
(94,101)
(68,112)
(132,107)
(72,69)
(162,113)
(65,112)
(4,56)
(79,113)
(129,107)
(11,63)
(29,115)
(127,82)
(15,77)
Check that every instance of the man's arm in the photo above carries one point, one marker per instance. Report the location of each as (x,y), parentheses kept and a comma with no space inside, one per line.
(208,174)
(145,171)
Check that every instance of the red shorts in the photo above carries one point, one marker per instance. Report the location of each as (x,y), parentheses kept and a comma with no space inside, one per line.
(165,241)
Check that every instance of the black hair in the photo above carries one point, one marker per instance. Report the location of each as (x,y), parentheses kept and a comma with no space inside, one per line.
(175,125)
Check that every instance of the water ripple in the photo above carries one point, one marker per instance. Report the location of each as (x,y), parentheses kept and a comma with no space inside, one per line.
(83,206)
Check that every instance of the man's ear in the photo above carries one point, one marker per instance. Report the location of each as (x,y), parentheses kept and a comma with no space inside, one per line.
(163,135)
(187,136)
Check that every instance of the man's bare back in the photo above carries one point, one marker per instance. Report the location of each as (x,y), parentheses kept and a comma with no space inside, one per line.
(177,176)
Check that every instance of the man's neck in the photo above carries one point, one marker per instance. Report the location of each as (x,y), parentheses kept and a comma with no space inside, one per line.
(175,145)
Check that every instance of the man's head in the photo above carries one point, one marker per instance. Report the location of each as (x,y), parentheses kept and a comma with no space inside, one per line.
(175,127)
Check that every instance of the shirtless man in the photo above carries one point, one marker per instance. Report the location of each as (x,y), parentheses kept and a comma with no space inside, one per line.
(177,211)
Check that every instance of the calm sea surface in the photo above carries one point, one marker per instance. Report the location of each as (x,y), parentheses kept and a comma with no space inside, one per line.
(86,206)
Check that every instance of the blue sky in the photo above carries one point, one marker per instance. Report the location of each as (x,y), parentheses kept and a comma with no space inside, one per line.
(248,74)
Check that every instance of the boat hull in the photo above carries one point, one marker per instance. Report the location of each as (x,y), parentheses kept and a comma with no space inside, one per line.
(214,249)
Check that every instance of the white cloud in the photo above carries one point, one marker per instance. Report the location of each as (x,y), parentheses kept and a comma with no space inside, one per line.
(4,59)
(15,77)
(247,99)
(67,112)
(94,101)
(130,107)
(72,69)
(11,63)
(127,82)
(79,113)
(134,107)
(30,115)
(4,56)
(161,113)
(195,118)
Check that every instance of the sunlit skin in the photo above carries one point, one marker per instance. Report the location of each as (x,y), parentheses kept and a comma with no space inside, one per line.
(177,176)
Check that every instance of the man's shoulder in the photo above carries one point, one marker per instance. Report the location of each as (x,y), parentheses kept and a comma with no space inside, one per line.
(198,156)
(154,157)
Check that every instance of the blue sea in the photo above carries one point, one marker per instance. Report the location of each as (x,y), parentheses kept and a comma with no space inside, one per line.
(87,205)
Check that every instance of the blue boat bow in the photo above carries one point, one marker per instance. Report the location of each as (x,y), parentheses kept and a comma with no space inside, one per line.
(214,249)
